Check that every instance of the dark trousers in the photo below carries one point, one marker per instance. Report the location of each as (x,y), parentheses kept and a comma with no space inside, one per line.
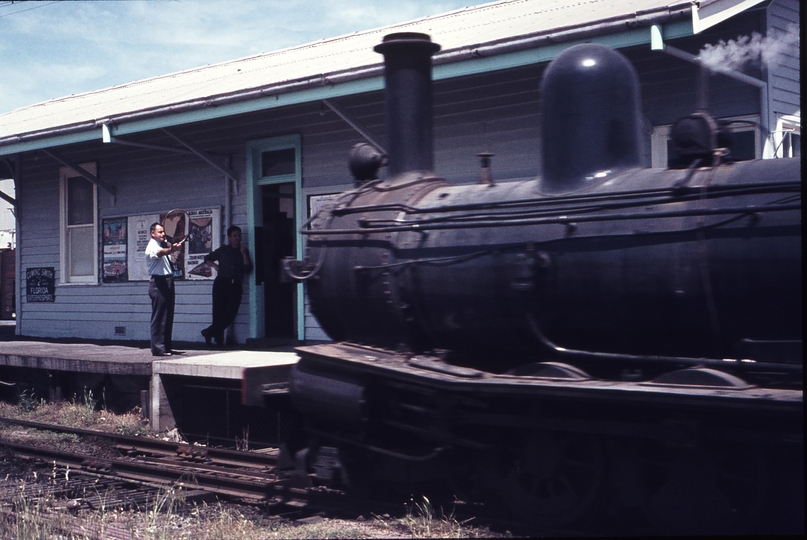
(161,292)
(226,301)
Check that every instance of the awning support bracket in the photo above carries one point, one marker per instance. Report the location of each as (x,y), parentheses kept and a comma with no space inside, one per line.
(188,149)
(227,171)
(3,195)
(356,124)
(78,170)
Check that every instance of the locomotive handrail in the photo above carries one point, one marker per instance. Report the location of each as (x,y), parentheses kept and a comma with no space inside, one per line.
(369,226)
(673,194)
(736,363)
(565,211)
(530,245)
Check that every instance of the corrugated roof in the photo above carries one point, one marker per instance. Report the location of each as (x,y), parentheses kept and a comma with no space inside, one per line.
(470,27)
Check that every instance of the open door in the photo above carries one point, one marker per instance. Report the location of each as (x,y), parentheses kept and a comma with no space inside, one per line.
(274,182)
(277,242)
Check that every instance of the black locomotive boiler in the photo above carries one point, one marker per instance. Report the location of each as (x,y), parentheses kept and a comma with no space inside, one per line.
(604,337)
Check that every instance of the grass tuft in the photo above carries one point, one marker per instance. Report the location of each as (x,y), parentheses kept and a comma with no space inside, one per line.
(168,515)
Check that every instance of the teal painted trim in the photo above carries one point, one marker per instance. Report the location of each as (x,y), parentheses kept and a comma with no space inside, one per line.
(298,239)
(255,317)
(255,181)
(272,101)
(51,142)
(677,30)
(546,53)
(280,179)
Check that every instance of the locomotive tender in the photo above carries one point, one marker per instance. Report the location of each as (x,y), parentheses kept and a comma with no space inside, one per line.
(604,337)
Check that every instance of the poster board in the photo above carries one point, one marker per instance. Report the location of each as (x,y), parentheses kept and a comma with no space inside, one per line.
(114,268)
(203,226)
(139,234)
(40,284)
(203,237)
(317,202)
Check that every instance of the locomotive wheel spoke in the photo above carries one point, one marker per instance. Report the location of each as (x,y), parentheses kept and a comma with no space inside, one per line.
(711,489)
(554,480)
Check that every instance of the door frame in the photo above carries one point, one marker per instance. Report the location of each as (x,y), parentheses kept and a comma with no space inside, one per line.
(255,181)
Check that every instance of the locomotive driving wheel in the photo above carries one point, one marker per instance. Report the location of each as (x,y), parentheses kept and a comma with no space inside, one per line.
(706,489)
(552,478)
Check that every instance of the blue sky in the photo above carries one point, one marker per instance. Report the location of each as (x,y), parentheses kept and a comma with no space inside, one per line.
(51,49)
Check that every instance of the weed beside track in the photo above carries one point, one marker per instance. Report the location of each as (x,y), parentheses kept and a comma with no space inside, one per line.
(37,502)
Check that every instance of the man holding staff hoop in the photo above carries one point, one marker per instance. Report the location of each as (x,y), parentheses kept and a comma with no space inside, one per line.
(161,289)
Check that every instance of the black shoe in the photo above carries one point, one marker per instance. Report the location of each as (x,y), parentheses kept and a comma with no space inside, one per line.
(208,336)
(173,352)
(161,354)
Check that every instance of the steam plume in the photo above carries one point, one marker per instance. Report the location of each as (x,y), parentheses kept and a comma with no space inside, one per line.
(750,51)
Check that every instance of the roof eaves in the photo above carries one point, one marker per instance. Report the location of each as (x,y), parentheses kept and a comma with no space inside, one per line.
(567,33)
(73,132)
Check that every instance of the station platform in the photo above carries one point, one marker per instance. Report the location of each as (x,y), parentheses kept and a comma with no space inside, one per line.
(128,366)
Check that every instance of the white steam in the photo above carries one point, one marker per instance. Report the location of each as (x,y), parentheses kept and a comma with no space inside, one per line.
(746,51)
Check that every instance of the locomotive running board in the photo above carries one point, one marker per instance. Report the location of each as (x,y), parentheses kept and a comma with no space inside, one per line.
(713,391)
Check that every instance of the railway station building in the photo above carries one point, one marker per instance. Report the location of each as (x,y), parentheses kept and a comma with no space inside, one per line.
(262,142)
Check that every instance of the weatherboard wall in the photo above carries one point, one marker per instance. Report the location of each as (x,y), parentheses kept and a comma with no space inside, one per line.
(785,88)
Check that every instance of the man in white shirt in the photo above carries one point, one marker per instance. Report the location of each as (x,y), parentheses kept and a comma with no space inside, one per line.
(161,290)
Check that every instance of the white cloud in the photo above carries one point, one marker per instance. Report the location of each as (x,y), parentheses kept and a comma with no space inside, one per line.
(66,48)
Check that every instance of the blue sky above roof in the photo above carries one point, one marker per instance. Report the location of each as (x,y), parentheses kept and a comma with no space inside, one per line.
(55,49)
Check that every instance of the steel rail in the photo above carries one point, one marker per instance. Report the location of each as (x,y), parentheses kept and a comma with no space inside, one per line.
(143,445)
(278,490)
(244,484)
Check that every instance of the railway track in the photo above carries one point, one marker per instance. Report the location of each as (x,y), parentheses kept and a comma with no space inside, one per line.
(146,463)
(145,466)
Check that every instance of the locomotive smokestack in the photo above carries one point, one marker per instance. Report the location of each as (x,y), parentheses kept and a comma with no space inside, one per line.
(408,93)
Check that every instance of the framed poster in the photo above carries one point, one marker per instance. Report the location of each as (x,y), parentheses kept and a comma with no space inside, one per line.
(40,284)
(139,234)
(316,202)
(113,254)
(203,237)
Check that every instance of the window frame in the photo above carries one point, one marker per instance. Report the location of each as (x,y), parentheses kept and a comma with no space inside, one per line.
(780,143)
(65,276)
(661,134)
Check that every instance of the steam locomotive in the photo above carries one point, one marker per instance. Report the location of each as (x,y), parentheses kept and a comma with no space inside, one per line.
(604,338)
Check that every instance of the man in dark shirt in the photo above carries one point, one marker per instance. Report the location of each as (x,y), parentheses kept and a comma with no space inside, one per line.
(233,262)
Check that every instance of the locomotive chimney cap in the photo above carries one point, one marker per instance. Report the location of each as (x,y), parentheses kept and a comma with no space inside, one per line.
(411,39)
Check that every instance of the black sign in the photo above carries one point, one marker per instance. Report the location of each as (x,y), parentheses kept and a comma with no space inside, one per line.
(40,284)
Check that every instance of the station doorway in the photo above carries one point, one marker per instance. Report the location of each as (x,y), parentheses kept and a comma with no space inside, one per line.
(275,241)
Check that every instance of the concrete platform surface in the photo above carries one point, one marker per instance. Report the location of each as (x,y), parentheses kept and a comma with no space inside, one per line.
(117,357)
(254,364)
(223,365)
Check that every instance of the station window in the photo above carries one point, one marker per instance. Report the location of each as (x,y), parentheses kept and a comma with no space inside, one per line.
(279,162)
(745,141)
(78,211)
(785,140)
